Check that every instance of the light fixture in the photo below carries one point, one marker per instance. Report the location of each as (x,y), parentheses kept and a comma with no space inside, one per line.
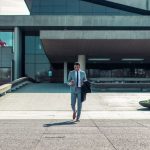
(132,59)
(99,59)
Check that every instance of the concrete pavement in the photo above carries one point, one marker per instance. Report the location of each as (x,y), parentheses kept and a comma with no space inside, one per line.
(68,135)
(52,101)
(38,117)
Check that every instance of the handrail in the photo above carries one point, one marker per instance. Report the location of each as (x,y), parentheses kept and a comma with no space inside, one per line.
(5,88)
(119,79)
(18,81)
(120,86)
(14,84)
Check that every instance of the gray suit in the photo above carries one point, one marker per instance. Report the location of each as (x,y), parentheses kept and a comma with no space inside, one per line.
(76,91)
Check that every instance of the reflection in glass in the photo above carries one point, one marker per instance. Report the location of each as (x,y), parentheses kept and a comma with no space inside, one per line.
(119,73)
(5,75)
(7,37)
(36,63)
(72,7)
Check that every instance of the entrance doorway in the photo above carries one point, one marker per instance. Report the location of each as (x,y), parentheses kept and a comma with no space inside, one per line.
(57,73)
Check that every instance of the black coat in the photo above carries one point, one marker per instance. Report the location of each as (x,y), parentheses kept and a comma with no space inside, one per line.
(85,88)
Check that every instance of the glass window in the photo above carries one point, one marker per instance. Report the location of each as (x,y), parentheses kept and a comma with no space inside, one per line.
(36,3)
(46,9)
(41,59)
(76,7)
(5,75)
(36,62)
(30,58)
(7,37)
(85,7)
(30,45)
(35,9)
(59,2)
(30,70)
(72,8)
(59,8)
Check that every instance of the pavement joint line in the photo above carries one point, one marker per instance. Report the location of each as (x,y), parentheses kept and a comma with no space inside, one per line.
(141,124)
(40,139)
(108,140)
(103,134)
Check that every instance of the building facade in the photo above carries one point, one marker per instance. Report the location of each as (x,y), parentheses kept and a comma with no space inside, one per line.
(110,38)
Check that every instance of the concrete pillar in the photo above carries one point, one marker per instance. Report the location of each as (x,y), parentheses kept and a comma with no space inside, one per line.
(65,72)
(148,5)
(82,61)
(17,53)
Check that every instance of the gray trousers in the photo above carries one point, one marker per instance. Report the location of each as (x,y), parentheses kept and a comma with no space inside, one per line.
(76,96)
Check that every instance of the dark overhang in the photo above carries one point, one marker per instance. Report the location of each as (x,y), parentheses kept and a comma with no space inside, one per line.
(63,46)
(115,49)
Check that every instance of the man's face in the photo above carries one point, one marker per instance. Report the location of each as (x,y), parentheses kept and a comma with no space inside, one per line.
(76,67)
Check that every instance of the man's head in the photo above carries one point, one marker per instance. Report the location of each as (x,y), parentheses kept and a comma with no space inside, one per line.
(76,66)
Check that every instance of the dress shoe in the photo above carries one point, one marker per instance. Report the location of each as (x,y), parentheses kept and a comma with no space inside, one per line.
(74,115)
(77,120)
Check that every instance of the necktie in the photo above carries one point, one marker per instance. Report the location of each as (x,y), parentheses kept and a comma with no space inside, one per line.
(77,78)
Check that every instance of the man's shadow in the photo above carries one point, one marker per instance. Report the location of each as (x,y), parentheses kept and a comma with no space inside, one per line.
(70,122)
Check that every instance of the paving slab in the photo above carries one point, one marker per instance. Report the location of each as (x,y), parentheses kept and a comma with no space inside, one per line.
(86,134)
(129,141)
(75,142)
(117,123)
(18,144)
(145,122)
(125,130)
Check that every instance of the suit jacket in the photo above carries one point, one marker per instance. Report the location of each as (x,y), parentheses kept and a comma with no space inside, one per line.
(72,76)
(86,88)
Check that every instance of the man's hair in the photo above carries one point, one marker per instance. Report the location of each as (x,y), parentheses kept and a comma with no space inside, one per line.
(77,63)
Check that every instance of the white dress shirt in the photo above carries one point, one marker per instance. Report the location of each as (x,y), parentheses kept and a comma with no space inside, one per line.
(79,81)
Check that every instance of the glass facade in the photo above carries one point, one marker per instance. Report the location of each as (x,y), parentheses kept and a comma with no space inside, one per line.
(118,70)
(36,62)
(5,64)
(6,56)
(72,7)
(5,75)
(7,37)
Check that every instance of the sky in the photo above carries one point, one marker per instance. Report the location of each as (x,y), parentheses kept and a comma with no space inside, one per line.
(13,7)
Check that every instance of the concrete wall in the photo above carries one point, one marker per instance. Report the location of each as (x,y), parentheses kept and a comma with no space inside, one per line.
(9,22)
(95,34)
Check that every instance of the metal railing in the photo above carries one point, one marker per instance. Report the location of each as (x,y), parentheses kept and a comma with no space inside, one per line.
(98,84)
(14,85)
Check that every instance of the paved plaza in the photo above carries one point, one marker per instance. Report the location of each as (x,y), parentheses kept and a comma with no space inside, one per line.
(38,117)
(67,135)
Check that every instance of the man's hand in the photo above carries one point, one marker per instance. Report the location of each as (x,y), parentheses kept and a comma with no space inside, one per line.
(71,83)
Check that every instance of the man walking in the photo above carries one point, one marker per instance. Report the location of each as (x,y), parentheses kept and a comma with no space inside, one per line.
(75,80)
